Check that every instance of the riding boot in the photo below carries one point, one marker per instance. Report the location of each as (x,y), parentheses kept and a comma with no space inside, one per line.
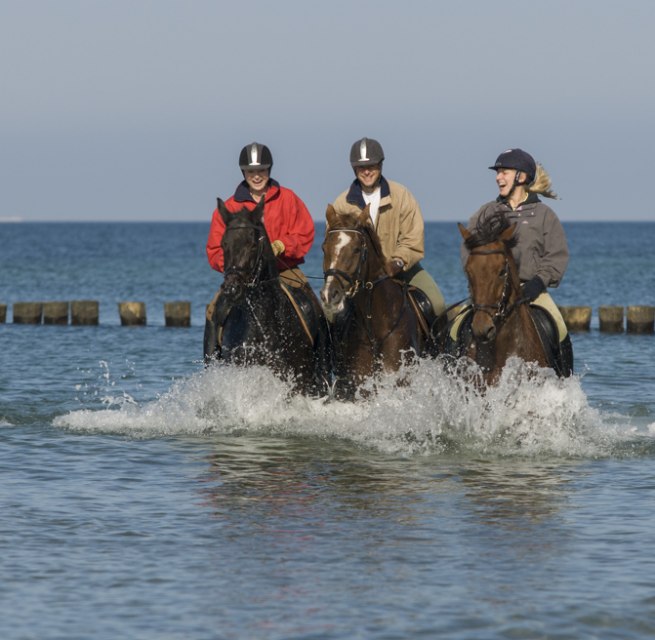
(565,357)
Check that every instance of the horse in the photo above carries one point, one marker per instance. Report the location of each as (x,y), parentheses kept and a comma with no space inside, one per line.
(256,319)
(374,323)
(501,322)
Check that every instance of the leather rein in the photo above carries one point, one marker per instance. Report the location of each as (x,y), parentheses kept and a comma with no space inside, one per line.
(501,310)
(357,284)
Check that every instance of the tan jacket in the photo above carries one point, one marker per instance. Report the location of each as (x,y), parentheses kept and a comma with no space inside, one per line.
(399,223)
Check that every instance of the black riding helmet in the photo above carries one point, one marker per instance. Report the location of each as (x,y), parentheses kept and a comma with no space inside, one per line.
(516,159)
(366,152)
(255,156)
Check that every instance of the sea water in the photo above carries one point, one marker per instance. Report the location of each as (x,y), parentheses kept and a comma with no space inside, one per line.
(144,496)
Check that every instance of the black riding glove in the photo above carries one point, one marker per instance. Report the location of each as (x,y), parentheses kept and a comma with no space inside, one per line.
(533,288)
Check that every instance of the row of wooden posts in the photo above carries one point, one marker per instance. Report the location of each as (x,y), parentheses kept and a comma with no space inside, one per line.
(612,319)
(87,312)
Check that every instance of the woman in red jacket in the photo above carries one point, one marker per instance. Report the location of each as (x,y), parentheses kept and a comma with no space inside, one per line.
(288,223)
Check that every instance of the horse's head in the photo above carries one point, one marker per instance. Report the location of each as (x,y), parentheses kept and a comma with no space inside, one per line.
(350,246)
(247,252)
(491,273)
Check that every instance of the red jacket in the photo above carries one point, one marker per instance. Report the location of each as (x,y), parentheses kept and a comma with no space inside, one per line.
(286,218)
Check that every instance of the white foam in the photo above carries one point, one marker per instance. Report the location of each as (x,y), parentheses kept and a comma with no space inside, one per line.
(530,412)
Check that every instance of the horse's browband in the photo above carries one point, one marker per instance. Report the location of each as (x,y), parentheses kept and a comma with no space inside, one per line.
(486,252)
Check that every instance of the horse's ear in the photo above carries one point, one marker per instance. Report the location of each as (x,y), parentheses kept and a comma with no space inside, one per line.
(508,233)
(222,209)
(331,216)
(466,234)
(258,211)
(364,217)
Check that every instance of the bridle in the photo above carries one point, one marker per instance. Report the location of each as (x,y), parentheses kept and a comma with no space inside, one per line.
(245,276)
(501,310)
(357,282)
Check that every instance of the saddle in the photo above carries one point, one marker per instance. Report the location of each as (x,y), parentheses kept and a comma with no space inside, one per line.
(558,353)
(430,323)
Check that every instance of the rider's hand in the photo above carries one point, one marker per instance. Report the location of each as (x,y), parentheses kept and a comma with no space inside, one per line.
(533,288)
(278,247)
(395,266)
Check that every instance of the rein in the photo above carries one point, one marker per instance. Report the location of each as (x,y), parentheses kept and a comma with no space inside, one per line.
(243,273)
(358,284)
(501,309)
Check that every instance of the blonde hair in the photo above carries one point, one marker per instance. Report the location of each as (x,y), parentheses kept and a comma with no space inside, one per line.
(542,184)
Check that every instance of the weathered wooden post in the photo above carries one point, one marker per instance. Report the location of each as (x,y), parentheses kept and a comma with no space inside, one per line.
(177,314)
(610,319)
(576,318)
(28,312)
(85,312)
(55,313)
(132,313)
(3,313)
(641,319)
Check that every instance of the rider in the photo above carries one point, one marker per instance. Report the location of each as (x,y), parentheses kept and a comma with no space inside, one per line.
(287,220)
(541,251)
(396,216)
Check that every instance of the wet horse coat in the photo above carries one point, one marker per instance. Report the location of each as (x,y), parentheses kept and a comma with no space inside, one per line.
(502,324)
(257,321)
(374,326)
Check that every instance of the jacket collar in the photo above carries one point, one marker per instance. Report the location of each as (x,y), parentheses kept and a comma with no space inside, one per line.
(242,193)
(355,192)
(532,199)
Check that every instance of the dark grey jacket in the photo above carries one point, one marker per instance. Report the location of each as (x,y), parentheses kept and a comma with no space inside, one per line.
(541,249)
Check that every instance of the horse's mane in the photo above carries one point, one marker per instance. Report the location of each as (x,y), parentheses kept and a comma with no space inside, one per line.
(488,229)
(353,221)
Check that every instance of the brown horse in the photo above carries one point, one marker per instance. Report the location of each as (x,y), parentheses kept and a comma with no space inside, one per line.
(502,324)
(374,325)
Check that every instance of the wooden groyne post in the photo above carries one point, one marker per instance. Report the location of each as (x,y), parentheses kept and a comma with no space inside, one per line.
(641,319)
(132,313)
(28,312)
(3,313)
(85,312)
(177,313)
(610,319)
(576,318)
(55,312)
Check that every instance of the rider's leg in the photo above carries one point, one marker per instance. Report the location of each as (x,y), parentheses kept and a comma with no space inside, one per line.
(425,282)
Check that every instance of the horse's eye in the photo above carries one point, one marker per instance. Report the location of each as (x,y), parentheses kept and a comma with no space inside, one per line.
(503,272)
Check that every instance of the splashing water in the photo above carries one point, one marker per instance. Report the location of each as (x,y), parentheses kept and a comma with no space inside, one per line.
(530,412)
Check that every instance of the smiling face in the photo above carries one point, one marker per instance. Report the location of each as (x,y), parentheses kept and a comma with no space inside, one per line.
(257,180)
(369,176)
(507,179)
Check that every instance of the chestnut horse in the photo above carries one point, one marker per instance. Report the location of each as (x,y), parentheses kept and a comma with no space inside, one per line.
(255,322)
(502,324)
(374,325)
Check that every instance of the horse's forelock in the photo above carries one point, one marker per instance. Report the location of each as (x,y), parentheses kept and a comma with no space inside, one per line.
(489,229)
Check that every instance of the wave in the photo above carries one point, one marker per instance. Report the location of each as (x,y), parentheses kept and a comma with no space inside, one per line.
(424,409)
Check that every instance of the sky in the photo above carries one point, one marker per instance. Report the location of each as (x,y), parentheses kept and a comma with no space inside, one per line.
(119,110)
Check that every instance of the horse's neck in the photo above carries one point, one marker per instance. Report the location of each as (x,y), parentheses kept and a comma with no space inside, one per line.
(374,264)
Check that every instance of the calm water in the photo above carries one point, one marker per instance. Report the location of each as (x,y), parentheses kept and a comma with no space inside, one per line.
(145,497)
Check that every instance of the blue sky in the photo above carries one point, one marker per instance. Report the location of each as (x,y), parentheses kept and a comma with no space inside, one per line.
(137,109)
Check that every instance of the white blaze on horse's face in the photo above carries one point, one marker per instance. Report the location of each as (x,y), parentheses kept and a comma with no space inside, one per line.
(333,292)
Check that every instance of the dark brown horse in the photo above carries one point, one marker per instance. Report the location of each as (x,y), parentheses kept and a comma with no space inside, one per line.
(256,321)
(374,325)
(502,324)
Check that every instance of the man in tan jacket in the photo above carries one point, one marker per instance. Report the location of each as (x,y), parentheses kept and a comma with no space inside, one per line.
(396,217)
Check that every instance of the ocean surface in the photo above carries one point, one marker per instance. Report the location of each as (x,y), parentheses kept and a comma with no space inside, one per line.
(144,496)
